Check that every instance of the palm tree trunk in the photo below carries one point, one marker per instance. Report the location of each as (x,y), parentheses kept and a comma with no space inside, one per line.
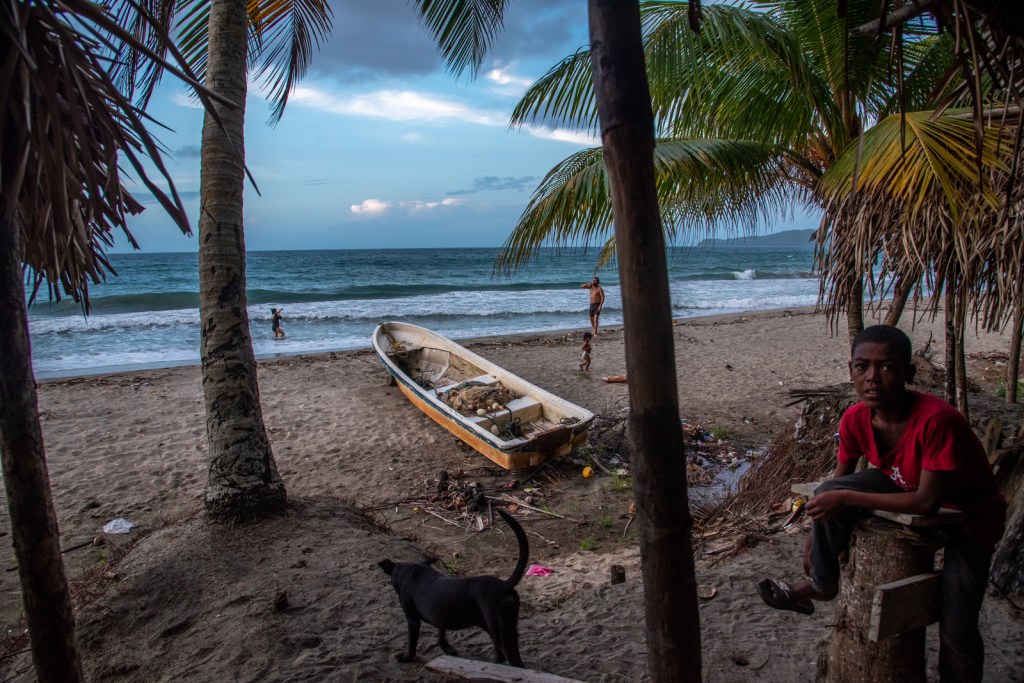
(655,433)
(949,388)
(243,479)
(36,539)
(855,308)
(901,292)
(1013,364)
(961,360)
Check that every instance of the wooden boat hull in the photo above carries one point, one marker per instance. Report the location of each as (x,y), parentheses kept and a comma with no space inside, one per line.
(552,426)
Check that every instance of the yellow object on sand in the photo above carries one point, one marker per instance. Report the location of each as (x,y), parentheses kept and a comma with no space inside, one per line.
(588,472)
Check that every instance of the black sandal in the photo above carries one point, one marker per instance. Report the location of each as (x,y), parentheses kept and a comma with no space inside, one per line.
(781,595)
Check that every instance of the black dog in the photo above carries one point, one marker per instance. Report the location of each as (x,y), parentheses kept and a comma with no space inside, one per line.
(452,603)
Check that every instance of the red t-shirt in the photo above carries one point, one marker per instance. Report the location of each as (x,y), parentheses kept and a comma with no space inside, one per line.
(937,438)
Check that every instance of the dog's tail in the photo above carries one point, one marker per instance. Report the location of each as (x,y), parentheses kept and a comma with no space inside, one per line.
(524,549)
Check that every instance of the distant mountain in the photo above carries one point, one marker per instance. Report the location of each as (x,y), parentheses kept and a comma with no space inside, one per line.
(786,238)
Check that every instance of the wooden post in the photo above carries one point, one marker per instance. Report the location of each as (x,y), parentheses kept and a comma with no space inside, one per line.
(655,434)
(881,552)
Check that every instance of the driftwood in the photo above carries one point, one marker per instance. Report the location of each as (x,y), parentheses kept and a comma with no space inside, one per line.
(458,669)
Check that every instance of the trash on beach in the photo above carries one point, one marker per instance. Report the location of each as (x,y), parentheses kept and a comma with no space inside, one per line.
(539,570)
(706,592)
(119,525)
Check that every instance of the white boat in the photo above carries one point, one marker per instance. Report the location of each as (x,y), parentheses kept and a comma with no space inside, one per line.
(511,421)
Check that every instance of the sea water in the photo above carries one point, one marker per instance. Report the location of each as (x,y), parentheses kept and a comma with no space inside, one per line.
(148,314)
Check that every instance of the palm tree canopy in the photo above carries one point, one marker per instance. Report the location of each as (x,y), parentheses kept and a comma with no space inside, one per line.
(66,129)
(784,77)
(915,205)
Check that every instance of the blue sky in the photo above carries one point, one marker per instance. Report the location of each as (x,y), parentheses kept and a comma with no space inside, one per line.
(380,147)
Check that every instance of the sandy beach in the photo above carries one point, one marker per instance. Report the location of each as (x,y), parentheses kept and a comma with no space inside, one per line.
(300,597)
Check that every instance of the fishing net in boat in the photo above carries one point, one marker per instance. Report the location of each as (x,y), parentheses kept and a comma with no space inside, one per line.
(470,397)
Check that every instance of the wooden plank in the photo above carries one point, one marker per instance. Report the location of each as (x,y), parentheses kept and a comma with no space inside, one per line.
(943,517)
(993,435)
(905,605)
(458,669)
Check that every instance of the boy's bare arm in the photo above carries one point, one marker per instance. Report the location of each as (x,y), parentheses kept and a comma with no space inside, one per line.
(923,501)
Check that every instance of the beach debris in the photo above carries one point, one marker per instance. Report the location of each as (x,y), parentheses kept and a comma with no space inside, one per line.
(453,495)
(281,601)
(539,570)
(706,592)
(118,525)
(797,511)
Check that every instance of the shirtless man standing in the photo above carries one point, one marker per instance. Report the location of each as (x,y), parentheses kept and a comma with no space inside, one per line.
(596,300)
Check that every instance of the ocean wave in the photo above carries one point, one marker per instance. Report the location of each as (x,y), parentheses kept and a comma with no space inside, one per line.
(746,274)
(333,300)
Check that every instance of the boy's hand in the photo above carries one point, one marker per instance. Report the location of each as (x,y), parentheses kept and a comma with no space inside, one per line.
(825,505)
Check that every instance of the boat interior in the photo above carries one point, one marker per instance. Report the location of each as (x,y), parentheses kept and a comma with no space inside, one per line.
(439,372)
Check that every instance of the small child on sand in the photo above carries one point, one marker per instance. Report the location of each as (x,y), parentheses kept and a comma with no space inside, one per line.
(923,455)
(585,356)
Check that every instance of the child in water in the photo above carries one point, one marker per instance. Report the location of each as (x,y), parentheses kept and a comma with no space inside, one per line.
(585,356)
(275,322)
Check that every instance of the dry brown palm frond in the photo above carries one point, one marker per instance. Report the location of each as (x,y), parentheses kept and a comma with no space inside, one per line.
(919,210)
(66,130)
(989,68)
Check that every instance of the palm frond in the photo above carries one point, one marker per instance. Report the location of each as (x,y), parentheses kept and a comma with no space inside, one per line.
(701,185)
(66,128)
(916,207)
(564,96)
(910,158)
(741,72)
(463,29)
(290,31)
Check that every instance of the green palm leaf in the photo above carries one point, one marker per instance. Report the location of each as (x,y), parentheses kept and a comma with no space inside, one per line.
(290,31)
(909,159)
(701,184)
(283,37)
(463,29)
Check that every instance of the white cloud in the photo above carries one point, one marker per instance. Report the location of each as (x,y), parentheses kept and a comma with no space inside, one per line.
(183,99)
(426,206)
(371,207)
(576,137)
(503,77)
(377,207)
(397,105)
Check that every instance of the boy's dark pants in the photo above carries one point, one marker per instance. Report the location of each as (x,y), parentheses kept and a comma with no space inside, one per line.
(964,576)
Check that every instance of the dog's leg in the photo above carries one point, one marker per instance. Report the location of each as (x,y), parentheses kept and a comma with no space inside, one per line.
(501,627)
(414,636)
(505,633)
(446,647)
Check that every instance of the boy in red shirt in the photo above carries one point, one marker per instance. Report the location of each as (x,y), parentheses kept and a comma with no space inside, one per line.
(924,455)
